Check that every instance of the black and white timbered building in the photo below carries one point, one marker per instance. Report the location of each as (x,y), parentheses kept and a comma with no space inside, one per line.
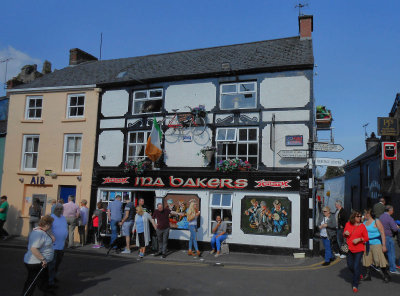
(258,99)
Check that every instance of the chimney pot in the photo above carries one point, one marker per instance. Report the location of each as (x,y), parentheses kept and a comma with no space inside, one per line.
(78,56)
(306,26)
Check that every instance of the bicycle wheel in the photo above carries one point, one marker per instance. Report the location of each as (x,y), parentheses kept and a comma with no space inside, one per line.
(198,127)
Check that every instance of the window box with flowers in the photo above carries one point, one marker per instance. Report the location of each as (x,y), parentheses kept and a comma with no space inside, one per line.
(138,166)
(230,165)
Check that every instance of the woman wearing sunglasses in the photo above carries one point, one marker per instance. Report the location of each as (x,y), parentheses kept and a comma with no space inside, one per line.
(356,236)
(328,234)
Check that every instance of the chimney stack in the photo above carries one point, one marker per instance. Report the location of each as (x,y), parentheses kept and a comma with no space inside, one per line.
(78,56)
(46,67)
(305,26)
(372,141)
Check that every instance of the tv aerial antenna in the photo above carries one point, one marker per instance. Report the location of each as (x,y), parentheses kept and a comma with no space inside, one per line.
(300,6)
(5,60)
(365,130)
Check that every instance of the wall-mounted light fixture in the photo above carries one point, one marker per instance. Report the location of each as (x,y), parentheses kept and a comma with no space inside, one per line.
(53,175)
(21,180)
(79,178)
(103,156)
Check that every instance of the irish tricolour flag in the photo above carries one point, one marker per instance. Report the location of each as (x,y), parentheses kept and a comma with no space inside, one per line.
(153,146)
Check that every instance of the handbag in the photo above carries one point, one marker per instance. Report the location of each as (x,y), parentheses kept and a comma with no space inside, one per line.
(345,247)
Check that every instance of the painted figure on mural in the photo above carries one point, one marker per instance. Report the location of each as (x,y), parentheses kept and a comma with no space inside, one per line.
(279,215)
(252,211)
(264,218)
(182,212)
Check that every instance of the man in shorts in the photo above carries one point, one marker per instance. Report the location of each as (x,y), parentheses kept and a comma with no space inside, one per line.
(127,223)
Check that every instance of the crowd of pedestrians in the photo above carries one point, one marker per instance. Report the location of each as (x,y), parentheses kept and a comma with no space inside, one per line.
(365,240)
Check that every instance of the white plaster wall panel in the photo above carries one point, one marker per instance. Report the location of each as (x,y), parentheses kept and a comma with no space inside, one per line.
(184,154)
(112,123)
(285,92)
(191,94)
(271,158)
(295,115)
(115,103)
(110,149)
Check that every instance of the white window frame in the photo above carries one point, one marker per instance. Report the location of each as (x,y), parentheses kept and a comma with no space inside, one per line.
(27,108)
(237,85)
(147,91)
(69,105)
(25,137)
(238,141)
(220,207)
(129,144)
(66,136)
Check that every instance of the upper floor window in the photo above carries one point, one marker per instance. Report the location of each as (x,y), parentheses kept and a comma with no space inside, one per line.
(30,151)
(137,144)
(33,108)
(147,101)
(238,95)
(72,152)
(239,143)
(76,105)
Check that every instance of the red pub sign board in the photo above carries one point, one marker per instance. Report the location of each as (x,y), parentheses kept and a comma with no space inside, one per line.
(389,150)
(180,180)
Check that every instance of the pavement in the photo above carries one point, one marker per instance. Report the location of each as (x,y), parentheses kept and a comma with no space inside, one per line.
(232,259)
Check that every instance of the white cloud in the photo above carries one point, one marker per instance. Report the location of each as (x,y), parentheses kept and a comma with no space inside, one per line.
(17,61)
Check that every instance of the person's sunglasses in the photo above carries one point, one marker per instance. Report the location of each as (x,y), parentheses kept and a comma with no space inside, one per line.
(358,216)
(325,211)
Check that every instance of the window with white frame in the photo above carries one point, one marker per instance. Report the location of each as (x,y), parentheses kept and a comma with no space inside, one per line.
(72,152)
(147,101)
(239,143)
(221,205)
(242,95)
(30,151)
(33,109)
(76,105)
(137,144)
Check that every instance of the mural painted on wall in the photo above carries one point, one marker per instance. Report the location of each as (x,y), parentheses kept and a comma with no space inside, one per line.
(180,203)
(266,215)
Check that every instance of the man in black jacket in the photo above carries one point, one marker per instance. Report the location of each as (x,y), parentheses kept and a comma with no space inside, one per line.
(341,220)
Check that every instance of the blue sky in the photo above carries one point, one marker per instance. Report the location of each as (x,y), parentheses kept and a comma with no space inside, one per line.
(356,43)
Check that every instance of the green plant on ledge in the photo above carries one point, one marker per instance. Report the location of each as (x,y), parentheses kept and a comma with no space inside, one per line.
(206,152)
(138,166)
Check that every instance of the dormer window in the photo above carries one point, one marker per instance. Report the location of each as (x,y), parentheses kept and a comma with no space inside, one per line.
(147,101)
(242,95)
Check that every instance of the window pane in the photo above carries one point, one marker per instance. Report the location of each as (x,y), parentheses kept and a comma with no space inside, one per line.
(73,101)
(244,87)
(216,200)
(38,113)
(220,149)
(228,88)
(253,160)
(72,111)
(31,103)
(29,145)
(39,103)
(140,95)
(221,134)
(80,111)
(132,138)
(31,113)
(155,93)
(253,149)
(138,107)
(81,101)
(78,144)
(230,136)
(253,134)
(243,135)
(151,106)
(77,161)
(227,215)
(242,149)
(231,149)
(226,200)
(215,213)
(69,161)
(140,137)
(140,150)
(35,144)
(132,150)
(227,101)
(28,160)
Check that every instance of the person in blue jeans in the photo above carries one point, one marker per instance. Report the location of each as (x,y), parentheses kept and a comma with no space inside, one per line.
(114,213)
(219,230)
(327,231)
(390,227)
(192,215)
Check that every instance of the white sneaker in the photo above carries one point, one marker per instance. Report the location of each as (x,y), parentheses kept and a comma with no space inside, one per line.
(342,256)
(126,251)
(395,272)
(337,254)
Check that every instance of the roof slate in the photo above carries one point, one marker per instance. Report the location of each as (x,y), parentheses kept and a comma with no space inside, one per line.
(289,53)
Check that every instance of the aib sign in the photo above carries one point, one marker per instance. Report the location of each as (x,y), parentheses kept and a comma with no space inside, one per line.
(389,150)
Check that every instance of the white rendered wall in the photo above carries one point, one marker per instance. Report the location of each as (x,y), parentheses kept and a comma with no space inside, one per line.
(110,149)
(293,115)
(285,92)
(190,94)
(271,158)
(112,123)
(115,103)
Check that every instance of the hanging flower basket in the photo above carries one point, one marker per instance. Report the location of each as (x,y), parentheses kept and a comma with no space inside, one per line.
(230,165)
(207,152)
(138,166)
(199,111)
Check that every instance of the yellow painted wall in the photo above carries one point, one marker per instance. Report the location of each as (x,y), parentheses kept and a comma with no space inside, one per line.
(52,128)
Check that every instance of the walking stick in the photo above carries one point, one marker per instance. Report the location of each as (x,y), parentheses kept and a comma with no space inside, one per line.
(34,280)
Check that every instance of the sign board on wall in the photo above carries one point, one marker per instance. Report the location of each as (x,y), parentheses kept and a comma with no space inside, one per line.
(337,162)
(388,126)
(389,150)
(293,153)
(326,147)
(294,140)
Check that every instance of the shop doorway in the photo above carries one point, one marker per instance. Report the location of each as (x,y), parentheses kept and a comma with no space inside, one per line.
(65,191)
(149,199)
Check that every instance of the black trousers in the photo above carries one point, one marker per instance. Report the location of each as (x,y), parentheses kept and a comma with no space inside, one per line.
(41,282)
(3,232)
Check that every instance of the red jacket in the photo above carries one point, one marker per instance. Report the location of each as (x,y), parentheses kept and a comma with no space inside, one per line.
(356,232)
